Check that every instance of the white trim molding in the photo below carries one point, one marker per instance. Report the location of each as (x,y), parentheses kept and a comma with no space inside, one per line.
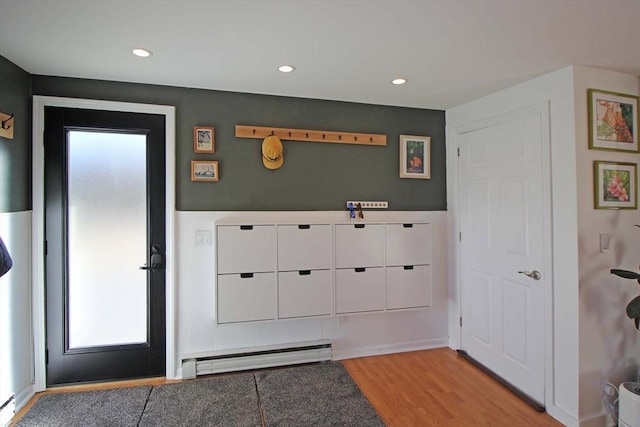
(403,347)
(39,331)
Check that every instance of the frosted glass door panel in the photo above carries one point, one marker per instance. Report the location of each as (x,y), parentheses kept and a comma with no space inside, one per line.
(107,294)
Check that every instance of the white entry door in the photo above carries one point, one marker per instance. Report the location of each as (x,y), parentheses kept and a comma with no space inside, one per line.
(504,248)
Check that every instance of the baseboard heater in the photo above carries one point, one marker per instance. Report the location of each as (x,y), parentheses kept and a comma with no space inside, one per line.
(255,358)
(7,410)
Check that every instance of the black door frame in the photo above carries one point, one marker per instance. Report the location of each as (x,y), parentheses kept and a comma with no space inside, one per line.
(39,341)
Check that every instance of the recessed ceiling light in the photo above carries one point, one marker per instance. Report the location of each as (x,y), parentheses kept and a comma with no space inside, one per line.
(142,53)
(286,68)
(399,81)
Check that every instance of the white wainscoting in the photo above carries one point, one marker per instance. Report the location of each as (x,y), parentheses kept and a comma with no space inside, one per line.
(16,337)
(352,336)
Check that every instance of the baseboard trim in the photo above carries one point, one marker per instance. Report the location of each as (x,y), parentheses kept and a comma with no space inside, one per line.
(352,353)
(596,420)
(527,399)
(24,396)
(562,415)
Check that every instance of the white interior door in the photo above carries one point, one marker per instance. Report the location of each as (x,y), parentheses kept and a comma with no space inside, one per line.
(502,224)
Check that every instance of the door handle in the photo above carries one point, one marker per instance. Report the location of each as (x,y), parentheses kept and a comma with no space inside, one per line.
(535,274)
(157,263)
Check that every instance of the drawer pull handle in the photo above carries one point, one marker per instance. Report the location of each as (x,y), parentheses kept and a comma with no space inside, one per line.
(358,225)
(246,275)
(407,225)
(246,227)
(304,272)
(360,270)
(408,267)
(304,227)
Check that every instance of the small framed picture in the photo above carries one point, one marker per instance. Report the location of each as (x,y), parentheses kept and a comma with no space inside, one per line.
(203,140)
(204,170)
(415,157)
(613,121)
(615,185)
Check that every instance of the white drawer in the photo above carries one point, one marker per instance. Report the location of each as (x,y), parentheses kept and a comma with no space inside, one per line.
(408,288)
(360,290)
(359,245)
(304,293)
(304,247)
(246,249)
(408,244)
(242,299)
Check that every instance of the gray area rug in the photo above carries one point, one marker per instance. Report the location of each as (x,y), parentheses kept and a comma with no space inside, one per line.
(313,395)
(321,394)
(121,407)
(229,401)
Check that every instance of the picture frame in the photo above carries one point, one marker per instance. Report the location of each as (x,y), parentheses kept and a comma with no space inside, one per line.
(615,185)
(204,140)
(205,170)
(415,157)
(613,121)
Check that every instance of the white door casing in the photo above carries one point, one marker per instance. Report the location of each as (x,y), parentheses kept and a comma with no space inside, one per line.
(38,235)
(503,220)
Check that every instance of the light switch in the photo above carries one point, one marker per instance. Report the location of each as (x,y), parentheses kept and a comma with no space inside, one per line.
(605,240)
(203,237)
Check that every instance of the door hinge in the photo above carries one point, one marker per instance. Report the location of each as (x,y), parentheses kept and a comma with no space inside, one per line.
(458,151)
(46,248)
(461,321)
(46,356)
(460,236)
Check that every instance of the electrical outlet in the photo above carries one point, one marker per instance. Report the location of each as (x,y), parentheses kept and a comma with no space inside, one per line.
(203,237)
(610,398)
(370,205)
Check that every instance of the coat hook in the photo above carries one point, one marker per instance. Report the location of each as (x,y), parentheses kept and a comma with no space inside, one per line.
(273,133)
(254,131)
(289,134)
(5,123)
(355,139)
(307,135)
(340,137)
(370,139)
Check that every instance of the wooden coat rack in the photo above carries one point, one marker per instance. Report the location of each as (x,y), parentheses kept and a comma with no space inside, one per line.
(6,125)
(260,132)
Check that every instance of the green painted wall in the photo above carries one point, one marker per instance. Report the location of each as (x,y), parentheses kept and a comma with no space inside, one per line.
(15,154)
(315,176)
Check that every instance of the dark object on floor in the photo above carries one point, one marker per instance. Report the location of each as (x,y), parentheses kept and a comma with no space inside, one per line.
(228,401)
(318,395)
(119,407)
(313,395)
(5,259)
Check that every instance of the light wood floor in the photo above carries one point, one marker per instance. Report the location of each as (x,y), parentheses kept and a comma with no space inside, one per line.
(421,388)
(438,388)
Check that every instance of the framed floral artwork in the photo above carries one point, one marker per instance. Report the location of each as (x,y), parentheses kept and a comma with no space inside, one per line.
(415,157)
(615,185)
(203,140)
(613,121)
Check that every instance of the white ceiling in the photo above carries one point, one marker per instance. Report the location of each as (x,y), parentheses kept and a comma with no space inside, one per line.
(451,51)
